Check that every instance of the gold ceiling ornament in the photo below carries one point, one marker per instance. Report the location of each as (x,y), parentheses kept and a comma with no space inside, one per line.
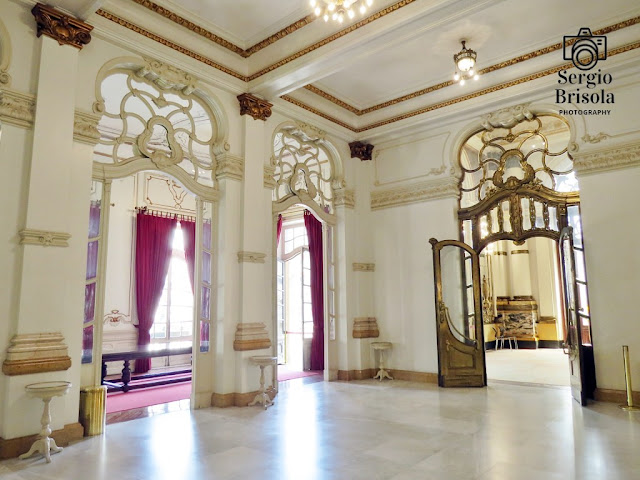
(465,61)
(338,10)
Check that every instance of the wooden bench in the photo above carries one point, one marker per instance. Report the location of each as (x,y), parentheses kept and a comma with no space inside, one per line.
(143,352)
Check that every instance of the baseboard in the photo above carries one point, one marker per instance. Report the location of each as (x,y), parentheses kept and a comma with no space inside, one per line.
(224,400)
(12,447)
(408,375)
(615,396)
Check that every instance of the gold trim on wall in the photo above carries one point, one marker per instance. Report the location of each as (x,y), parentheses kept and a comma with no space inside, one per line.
(518,252)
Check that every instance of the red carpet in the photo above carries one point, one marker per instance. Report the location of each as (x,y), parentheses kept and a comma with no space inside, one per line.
(117,402)
(284,375)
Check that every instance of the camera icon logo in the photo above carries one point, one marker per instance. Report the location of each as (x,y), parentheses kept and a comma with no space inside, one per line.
(584,49)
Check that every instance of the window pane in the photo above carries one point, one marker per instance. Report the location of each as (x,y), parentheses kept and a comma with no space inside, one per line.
(306,276)
(308,313)
(89,302)
(206,235)
(92,259)
(288,234)
(206,267)
(306,292)
(87,344)
(204,336)
(206,293)
(94,219)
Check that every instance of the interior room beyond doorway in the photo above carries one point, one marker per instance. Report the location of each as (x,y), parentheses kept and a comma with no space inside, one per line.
(523,315)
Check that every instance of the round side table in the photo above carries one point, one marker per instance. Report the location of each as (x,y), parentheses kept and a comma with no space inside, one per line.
(45,391)
(382,347)
(262,398)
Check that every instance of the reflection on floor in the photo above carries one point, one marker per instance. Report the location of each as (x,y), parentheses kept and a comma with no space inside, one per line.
(286,373)
(364,430)
(545,366)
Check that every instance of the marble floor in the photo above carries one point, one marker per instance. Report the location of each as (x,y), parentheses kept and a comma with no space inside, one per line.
(364,430)
(547,366)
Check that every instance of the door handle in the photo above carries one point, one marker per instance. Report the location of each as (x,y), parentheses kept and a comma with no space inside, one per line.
(565,348)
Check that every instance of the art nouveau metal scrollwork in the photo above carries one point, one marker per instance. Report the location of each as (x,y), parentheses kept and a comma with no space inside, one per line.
(517,180)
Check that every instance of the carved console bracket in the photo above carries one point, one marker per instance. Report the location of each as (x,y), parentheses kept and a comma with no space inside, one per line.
(229,166)
(36,353)
(258,108)
(251,336)
(44,238)
(61,27)
(361,150)
(364,267)
(344,197)
(251,257)
(85,128)
(268,180)
(365,327)
(17,108)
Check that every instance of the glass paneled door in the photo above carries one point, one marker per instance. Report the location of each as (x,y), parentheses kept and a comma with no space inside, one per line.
(574,343)
(461,361)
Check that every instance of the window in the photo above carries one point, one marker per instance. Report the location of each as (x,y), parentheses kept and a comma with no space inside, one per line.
(173,321)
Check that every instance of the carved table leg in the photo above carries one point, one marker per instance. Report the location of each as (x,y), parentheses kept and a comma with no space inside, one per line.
(44,444)
(262,397)
(126,376)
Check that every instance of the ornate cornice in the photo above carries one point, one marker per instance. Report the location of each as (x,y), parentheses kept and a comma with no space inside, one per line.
(361,150)
(85,128)
(251,336)
(251,257)
(344,197)
(268,180)
(17,108)
(414,193)
(258,108)
(44,238)
(365,327)
(36,353)
(608,158)
(229,166)
(63,28)
(290,99)
(364,267)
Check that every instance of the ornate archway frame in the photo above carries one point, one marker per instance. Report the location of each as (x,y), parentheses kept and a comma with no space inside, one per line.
(5,56)
(507,118)
(165,78)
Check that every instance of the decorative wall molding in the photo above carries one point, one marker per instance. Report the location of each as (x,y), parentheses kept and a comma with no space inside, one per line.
(163,193)
(608,158)
(415,193)
(364,267)
(344,197)
(506,117)
(251,336)
(45,238)
(251,257)
(365,327)
(258,108)
(597,138)
(17,108)
(63,28)
(85,128)
(361,150)
(229,166)
(268,180)
(5,56)
(36,353)
(115,318)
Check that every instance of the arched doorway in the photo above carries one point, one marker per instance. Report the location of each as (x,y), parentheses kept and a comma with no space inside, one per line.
(517,183)
(307,169)
(156,118)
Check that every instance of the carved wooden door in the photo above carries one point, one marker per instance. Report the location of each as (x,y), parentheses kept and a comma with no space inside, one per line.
(461,361)
(573,342)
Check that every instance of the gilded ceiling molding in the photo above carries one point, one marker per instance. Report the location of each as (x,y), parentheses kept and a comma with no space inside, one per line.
(170,44)
(268,180)
(229,166)
(85,128)
(607,158)
(29,236)
(289,29)
(344,197)
(251,336)
(63,28)
(361,150)
(17,108)
(306,107)
(498,66)
(251,257)
(36,353)
(415,193)
(258,108)
(331,38)
(364,267)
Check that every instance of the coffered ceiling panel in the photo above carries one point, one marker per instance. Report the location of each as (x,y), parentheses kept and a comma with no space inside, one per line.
(498,33)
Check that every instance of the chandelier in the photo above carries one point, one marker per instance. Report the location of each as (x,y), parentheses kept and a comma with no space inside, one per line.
(337,10)
(465,61)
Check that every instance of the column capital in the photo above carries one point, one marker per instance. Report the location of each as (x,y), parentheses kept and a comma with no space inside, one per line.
(258,108)
(361,150)
(63,28)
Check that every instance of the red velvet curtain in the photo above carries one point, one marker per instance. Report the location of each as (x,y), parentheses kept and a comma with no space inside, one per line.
(314,234)
(279,229)
(153,254)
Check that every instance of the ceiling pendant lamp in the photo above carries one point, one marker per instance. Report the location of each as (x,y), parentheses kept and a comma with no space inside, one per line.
(465,61)
(339,10)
